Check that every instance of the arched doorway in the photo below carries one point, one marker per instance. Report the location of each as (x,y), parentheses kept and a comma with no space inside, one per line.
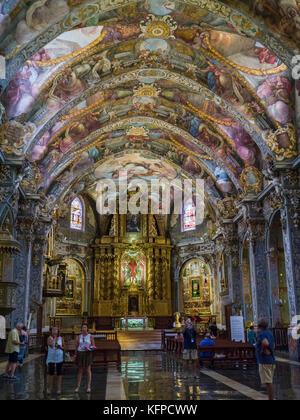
(246,286)
(277,270)
(196,288)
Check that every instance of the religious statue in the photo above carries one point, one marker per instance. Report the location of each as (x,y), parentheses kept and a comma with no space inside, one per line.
(177,320)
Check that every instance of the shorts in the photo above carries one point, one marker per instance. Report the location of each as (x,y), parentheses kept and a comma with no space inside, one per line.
(190,355)
(267,373)
(13,357)
(51,369)
(84,359)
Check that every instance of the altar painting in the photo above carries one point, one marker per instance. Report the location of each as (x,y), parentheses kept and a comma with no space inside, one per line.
(196,278)
(133,269)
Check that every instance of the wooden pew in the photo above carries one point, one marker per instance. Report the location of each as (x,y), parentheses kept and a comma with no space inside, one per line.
(224,354)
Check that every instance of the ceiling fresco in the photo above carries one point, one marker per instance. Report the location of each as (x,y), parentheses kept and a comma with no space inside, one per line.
(208,88)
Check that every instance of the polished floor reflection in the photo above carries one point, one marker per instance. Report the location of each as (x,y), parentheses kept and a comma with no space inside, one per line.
(31,380)
(152,376)
(159,377)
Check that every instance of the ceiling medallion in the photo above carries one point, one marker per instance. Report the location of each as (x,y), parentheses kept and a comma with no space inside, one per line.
(138,132)
(158,27)
(148,91)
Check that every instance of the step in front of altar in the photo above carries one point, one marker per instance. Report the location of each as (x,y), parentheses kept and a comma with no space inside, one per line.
(140,340)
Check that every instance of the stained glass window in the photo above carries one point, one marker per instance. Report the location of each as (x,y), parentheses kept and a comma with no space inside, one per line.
(189,217)
(77,214)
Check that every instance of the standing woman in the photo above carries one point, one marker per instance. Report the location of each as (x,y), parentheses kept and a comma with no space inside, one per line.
(84,356)
(55,359)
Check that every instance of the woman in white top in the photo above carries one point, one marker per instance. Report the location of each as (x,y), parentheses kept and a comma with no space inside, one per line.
(55,359)
(84,357)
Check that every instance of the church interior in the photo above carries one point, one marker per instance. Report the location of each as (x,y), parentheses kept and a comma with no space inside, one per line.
(159,90)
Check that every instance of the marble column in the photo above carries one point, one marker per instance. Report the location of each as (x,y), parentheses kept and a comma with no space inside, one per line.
(22,269)
(42,227)
(259,271)
(291,238)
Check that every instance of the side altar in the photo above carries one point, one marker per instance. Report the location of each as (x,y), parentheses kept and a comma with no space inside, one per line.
(132,277)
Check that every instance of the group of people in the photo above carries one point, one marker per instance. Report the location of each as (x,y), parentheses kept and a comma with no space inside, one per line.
(15,348)
(83,356)
(263,341)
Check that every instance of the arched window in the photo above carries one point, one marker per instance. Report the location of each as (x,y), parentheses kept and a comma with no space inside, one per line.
(77,214)
(189,217)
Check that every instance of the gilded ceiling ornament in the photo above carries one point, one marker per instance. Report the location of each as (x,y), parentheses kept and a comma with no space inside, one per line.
(283,142)
(149,91)
(14,136)
(138,131)
(227,207)
(158,27)
(251,180)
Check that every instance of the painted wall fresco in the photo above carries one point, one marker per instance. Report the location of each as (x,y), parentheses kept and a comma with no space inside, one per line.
(281,16)
(26,86)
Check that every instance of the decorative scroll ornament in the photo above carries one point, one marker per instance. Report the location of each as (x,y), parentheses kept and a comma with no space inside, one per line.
(227,207)
(14,136)
(283,142)
(32,179)
(158,27)
(251,180)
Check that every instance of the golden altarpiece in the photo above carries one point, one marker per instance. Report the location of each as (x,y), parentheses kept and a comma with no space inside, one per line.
(132,270)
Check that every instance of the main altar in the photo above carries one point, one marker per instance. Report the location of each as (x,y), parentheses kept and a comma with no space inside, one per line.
(132,271)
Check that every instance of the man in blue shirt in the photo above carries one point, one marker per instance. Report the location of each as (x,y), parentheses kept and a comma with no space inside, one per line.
(265,347)
(207,342)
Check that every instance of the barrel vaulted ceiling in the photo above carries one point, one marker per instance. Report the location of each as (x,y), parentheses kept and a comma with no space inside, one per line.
(190,88)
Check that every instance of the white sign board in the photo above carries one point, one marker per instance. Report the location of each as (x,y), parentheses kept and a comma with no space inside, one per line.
(237,329)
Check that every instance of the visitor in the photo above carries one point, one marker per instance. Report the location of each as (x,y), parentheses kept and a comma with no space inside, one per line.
(252,336)
(84,356)
(24,341)
(190,353)
(265,347)
(13,349)
(214,330)
(206,342)
(55,360)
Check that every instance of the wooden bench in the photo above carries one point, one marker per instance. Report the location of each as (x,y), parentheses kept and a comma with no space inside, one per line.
(238,356)
(224,354)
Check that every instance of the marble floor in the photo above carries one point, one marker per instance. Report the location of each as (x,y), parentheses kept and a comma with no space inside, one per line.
(152,376)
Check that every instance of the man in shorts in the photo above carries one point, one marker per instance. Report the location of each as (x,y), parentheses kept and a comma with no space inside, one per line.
(265,347)
(13,349)
(190,353)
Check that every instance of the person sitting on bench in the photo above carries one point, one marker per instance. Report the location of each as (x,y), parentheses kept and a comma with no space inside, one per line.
(206,342)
